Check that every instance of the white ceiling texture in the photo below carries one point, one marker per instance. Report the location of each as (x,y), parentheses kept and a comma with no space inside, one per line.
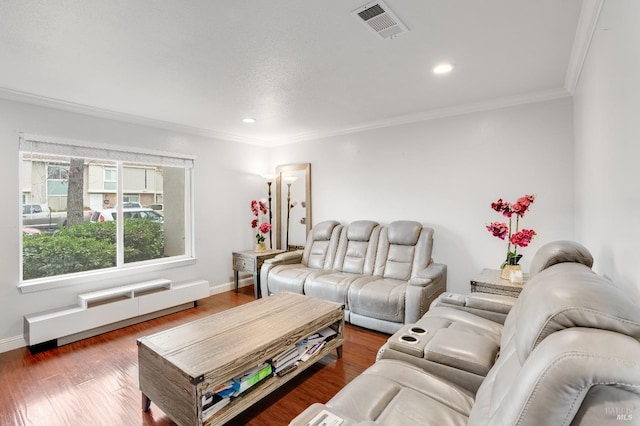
(301,69)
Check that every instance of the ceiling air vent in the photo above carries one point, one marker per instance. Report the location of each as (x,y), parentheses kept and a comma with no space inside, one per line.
(377,16)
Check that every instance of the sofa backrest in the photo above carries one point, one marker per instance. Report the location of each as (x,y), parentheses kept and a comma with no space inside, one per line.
(560,251)
(357,247)
(322,243)
(404,249)
(570,342)
(550,254)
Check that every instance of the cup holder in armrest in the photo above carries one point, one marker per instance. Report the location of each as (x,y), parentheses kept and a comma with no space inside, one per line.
(406,338)
(410,339)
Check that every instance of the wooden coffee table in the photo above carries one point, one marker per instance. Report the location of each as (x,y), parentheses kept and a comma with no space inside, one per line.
(178,366)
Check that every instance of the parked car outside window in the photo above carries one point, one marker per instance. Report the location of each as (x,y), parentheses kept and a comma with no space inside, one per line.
(128,213)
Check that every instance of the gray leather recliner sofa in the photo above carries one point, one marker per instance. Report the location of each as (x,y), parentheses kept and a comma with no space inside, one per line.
(459,337)
(384,275)
(569,354)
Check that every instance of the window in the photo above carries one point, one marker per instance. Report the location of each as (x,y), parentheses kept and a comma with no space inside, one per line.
(57,186)
(110,178)
(77,193)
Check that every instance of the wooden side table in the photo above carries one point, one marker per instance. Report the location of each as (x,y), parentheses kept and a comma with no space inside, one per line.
(489,281)
(250,261)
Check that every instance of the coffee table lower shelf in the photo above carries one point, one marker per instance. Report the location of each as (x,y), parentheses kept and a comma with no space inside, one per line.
(178,366)
(265,387)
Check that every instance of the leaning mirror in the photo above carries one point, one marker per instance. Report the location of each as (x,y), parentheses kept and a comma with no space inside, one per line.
(293,198)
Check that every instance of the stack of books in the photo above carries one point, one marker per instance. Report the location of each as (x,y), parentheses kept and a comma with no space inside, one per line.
(250,378)
(215,400)
(287,358)
(303,350)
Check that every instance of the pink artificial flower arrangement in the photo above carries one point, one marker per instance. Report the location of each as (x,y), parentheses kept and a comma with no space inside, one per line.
(502,230)
(257,208)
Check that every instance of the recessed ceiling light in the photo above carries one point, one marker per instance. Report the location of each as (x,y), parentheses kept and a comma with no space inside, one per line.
(248,120)
(442,68)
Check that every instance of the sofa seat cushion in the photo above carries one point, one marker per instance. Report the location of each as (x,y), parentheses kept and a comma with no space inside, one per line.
(377,297)
(289,278)
(332,286)
(392,392)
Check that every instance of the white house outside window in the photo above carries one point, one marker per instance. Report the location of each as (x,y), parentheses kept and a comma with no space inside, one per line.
(82,191)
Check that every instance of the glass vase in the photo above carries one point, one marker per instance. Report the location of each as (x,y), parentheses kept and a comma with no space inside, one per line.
(507,270)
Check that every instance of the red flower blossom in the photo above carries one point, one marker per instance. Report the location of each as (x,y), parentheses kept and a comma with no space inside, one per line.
(526,200)
(498,229)
(265,227)
(521,206)
(518,209)
(523,238)
(502,207)
(254,223)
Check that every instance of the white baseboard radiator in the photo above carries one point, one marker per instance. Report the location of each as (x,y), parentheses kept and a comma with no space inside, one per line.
(106,310)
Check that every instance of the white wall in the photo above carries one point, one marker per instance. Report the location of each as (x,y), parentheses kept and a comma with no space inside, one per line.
(226,179)
(445,173)
(607,144)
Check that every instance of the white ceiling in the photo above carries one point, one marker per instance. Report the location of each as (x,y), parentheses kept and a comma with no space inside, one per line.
(302,69)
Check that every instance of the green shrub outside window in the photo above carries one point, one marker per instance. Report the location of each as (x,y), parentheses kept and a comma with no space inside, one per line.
(89,246)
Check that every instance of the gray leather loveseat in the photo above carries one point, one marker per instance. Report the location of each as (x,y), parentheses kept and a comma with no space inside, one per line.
(384,275)
(569,354)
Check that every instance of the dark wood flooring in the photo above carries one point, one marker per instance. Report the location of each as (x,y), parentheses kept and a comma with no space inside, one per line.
(95,381)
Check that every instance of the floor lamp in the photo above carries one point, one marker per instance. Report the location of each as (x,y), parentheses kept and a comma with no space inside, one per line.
(269,179)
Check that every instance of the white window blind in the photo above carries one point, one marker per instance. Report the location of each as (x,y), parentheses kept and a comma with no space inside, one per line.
(74,148)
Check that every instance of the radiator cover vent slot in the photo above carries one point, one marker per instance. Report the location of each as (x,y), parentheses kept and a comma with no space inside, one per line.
(378,17)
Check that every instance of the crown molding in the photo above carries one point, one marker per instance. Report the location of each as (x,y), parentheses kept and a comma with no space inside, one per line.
(498,103)
(584,35)
(14,95)
(394,121)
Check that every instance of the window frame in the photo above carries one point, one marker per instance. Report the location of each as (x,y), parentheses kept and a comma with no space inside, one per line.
(122,154)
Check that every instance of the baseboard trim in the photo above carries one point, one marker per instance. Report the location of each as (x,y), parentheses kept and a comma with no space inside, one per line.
(221,288)
(11,343)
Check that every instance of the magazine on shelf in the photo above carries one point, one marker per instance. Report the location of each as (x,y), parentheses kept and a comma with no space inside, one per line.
(288,357)
(303,350)
(225,389)
(285,358)
(212,403)
(323,335)
(312,350)
(284,365)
